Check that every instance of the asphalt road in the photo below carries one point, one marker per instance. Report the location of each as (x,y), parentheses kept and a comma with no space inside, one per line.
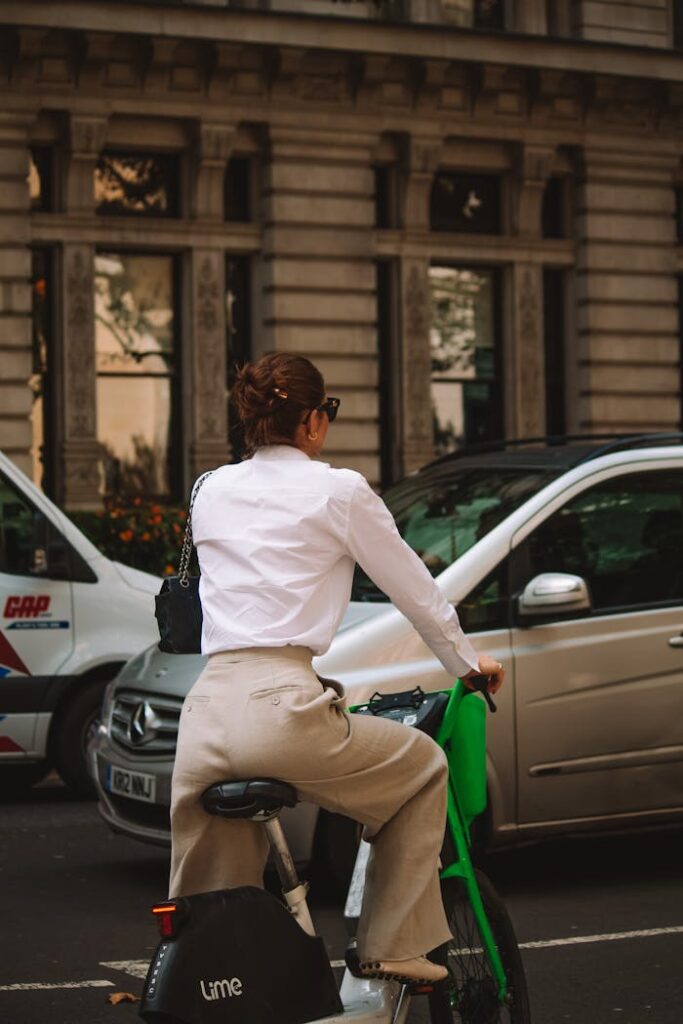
(75,912)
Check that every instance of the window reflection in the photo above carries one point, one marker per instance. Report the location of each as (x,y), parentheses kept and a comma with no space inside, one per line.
(465,366)
(40,178)
(484,14)
(238,340)
(126,183)
(135,364)
(40,381)
(468,203)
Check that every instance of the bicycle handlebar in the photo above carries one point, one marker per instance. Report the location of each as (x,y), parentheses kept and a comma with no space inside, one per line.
(480,684)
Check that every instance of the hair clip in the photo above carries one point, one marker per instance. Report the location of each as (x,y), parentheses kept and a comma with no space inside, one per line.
(280,394)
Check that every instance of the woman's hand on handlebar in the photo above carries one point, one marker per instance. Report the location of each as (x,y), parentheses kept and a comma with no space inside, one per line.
(489,667)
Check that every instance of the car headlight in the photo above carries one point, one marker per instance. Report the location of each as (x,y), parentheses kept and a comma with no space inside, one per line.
(107,703)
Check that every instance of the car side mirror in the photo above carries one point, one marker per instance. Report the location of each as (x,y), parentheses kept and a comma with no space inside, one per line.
(553,593)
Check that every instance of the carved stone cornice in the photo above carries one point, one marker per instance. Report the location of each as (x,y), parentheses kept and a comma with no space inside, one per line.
(502,92)
(94,60)
(559,96)
(631,103)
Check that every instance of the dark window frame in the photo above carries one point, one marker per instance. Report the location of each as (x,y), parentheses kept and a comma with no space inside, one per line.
(48,443)
(522,569)
(494,21)
(244,347)
(44,159)
(497,397)
(173,161)
(238,203)
(487,179)
(555,346)
(389,366)
(176,491)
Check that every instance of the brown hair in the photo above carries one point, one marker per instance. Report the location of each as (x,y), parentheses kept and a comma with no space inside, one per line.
(271,396)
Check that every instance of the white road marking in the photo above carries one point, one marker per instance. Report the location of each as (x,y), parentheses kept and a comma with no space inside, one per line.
(138,968)
(576,940)
(29,986)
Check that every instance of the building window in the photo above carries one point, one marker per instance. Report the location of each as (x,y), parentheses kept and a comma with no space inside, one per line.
(41,381)
(553,212)
(238,342)
(678,24)
(484,14)
(466,386)
(466,203)
(237,191)
(389,376)
(41,179)
(554,344)
(385,196)
(137,184)
(137,369)
(680,346)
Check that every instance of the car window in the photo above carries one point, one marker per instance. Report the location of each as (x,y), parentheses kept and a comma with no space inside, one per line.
(625,537)
(443,511)
(22,534)
(487,606)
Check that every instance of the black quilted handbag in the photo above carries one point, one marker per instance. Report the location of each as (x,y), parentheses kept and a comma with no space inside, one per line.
(178,609)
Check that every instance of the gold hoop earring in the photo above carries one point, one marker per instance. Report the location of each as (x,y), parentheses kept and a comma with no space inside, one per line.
(313,437)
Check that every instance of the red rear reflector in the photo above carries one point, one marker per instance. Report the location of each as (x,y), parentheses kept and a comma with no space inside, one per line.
(164,914)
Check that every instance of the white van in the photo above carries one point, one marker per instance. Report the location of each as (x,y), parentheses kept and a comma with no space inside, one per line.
(69,619)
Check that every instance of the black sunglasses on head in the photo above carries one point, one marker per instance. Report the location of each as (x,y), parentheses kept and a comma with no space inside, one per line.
(331,407)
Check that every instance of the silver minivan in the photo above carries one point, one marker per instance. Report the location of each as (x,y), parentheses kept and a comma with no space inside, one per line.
(566,563)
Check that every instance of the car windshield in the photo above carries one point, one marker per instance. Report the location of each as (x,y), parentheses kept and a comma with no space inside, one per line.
(443,511)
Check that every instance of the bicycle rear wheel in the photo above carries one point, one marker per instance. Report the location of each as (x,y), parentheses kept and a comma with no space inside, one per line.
(472,989)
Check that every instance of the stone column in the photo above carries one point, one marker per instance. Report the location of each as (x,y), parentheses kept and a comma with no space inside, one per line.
(421,157)
(524,388)
(627,292)
(15,293)
(316,282)
(79,474)
(214,147)
(209,426)
(524,343)
(416,369)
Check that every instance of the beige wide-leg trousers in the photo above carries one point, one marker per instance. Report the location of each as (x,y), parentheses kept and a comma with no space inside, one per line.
(263,712)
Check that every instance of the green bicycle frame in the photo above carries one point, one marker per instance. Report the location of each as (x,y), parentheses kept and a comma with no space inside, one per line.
(462,735)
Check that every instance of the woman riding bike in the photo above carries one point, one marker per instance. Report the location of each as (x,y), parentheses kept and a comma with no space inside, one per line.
(277,537)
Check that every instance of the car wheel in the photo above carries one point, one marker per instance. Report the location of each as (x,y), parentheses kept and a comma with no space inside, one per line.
(17,778)
(74,727)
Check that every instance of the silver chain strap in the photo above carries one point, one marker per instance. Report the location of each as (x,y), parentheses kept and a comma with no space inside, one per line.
(186,553)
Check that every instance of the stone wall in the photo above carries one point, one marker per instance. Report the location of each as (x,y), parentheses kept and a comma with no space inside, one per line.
(632,24)
(316,120)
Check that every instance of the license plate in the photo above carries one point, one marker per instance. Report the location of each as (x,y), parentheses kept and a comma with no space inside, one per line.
(131,784)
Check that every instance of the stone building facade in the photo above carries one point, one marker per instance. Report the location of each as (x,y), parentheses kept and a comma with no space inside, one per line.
(467,212)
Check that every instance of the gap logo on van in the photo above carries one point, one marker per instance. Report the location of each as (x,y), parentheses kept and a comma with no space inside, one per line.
(31,611)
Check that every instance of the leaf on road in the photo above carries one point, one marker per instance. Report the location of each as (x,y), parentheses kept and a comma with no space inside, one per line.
(122,997)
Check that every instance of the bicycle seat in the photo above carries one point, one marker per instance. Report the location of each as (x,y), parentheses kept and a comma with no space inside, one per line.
(248,798)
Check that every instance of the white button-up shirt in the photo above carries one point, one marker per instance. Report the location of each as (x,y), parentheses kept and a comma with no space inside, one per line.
(277,537)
